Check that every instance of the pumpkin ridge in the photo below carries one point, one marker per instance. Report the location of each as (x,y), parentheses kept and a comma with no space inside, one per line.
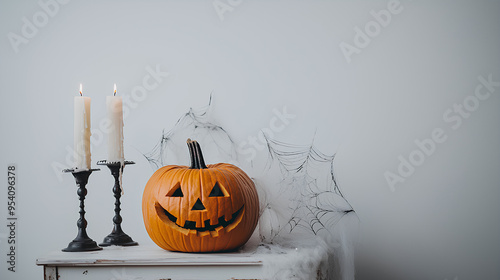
(212,177)
(226,183)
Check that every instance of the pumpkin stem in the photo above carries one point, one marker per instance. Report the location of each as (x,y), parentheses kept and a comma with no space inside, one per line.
(197,161)
(191,152)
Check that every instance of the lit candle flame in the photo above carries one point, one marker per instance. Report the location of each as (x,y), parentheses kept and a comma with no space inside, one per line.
(81,90)
(115,91)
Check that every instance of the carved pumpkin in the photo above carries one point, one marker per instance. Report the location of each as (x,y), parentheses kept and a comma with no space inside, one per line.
(200,208)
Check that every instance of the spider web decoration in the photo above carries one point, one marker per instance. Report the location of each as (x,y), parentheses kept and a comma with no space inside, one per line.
(308,182)
(308,205)
(196,124)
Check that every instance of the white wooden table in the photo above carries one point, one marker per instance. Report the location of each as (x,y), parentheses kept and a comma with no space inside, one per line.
(148,263)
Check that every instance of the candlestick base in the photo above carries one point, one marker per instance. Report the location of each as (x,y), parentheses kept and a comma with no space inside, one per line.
(118,239)
(117,236)
(82,242)
(82,245)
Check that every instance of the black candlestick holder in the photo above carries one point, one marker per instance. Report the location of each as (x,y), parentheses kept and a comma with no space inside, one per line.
(82,242)
(117,236)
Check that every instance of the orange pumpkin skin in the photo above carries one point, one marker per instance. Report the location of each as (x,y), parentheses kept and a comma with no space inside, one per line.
(200,208)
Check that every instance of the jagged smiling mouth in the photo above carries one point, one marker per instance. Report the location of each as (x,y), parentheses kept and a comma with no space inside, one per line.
(190,226)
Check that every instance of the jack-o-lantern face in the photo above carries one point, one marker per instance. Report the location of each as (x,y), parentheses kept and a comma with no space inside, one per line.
(200,208)
(206,208)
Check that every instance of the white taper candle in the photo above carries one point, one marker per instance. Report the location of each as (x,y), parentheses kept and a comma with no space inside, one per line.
(81,136)
(114,106)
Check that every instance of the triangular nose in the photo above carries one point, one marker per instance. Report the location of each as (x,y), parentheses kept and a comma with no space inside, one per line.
(198,205)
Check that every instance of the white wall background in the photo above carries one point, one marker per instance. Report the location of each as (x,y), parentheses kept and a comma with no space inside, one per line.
(440,223)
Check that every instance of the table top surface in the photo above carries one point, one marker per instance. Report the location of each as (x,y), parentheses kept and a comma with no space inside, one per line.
(144,255)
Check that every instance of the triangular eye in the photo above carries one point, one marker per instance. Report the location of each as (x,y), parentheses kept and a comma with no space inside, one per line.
(176,191)
(217,191)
